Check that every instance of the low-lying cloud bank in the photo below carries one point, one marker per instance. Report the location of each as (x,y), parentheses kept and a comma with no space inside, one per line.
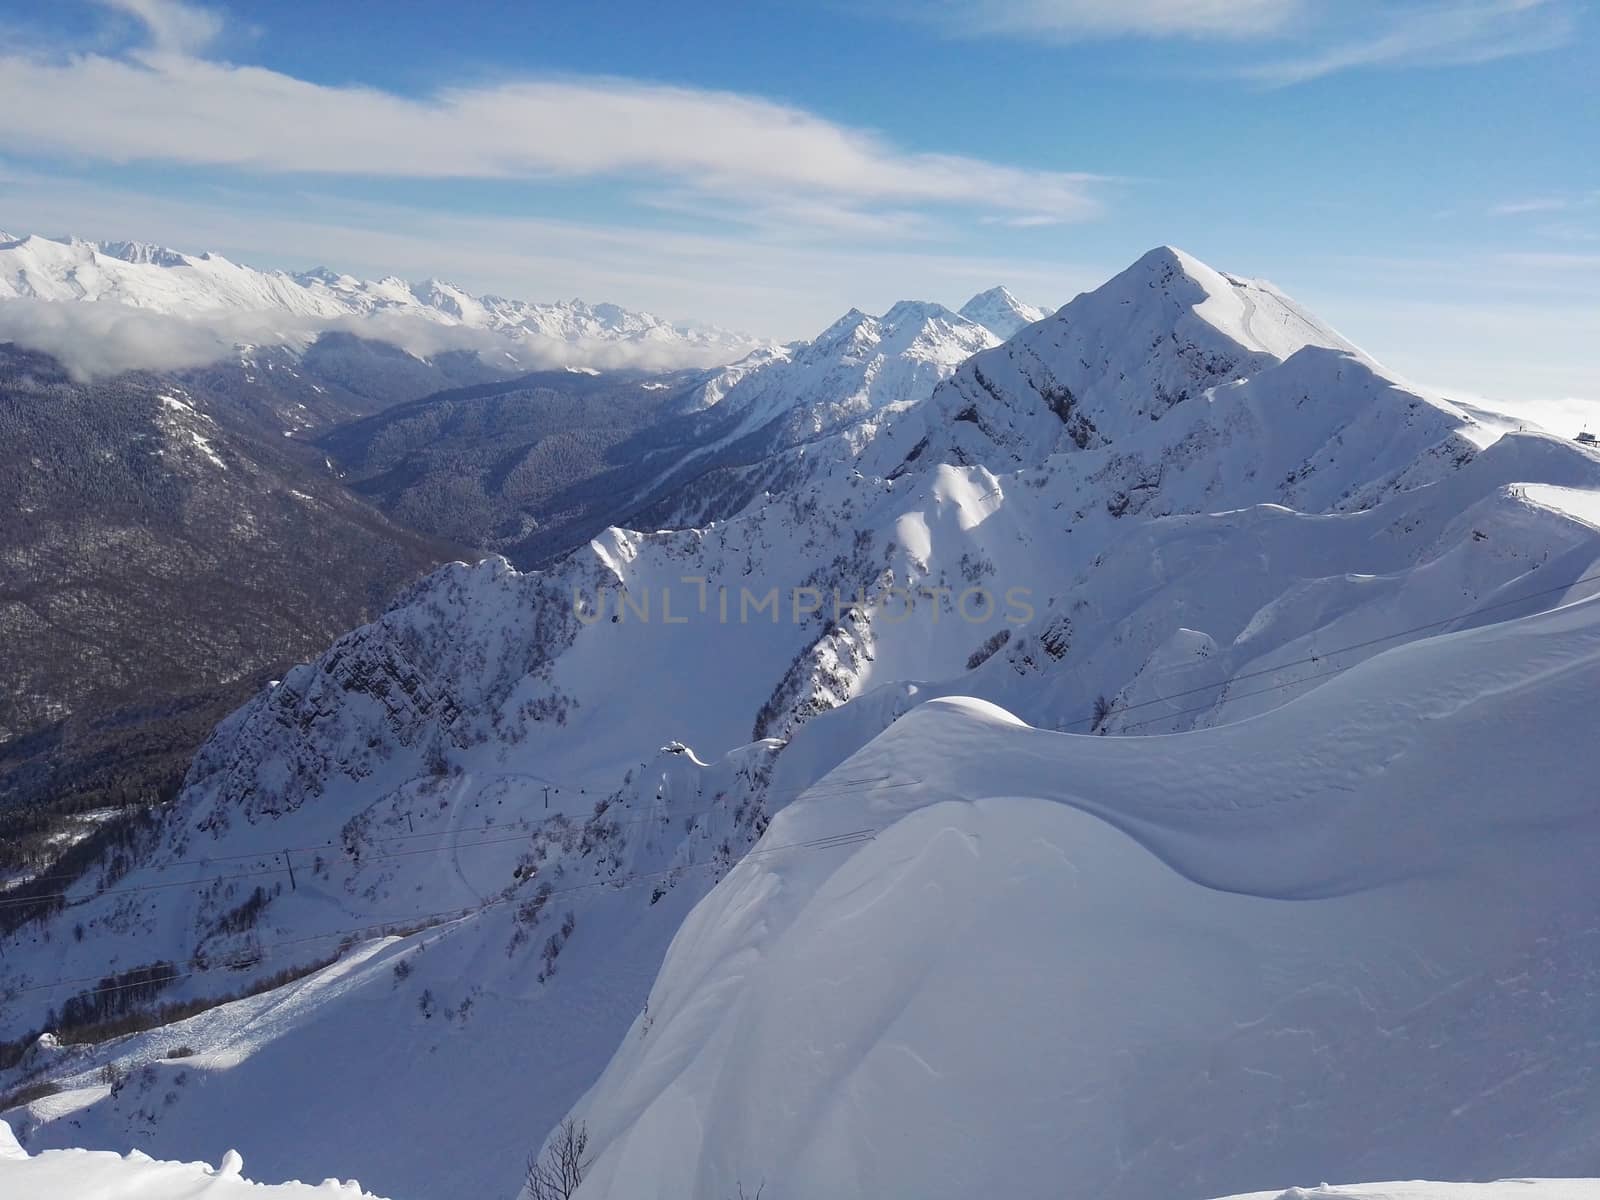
(94,341)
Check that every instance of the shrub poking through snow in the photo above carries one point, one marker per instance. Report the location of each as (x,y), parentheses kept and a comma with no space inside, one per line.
(556,1174)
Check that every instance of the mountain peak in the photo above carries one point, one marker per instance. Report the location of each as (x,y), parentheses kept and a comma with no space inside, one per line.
(1168,255)
(842,328)
(322,274)
(143,253)
(1000,312)
(999,294)
(917,311)
(1112,362)
(1251,313)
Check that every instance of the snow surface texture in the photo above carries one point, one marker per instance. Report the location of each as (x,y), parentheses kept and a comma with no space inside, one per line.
(1345,937)
(221,302)
(1212,506)
(101,1175)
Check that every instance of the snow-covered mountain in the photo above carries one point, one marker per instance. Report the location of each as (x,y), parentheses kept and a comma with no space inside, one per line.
(156,279)
(1111,363)
(1179,505)
(1001,313)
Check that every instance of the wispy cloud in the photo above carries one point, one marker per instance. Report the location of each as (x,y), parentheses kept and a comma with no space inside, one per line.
(172,26)
(788,218)
(1436,33)
(1517,208)
(1545,205)
(1024,221)
(1073,20)
(1553,262)
(164,104)
(1302,39)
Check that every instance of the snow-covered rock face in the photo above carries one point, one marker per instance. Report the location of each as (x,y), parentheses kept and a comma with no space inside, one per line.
(160,280)
(1001,313)
(1206,506)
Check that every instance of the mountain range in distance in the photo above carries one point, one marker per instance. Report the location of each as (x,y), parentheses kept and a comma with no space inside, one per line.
(226,304)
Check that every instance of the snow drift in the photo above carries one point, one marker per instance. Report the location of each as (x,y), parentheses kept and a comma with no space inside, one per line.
(1349,937)
(101,1175)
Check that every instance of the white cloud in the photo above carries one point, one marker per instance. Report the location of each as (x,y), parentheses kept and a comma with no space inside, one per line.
(91,340)
(175,108)
(173,27)
(96,340)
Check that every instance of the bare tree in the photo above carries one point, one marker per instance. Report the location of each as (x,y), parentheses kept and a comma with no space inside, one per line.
(557,1173)
(1102,709)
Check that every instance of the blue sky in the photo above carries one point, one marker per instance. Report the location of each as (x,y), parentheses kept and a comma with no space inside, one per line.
(1421,173)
